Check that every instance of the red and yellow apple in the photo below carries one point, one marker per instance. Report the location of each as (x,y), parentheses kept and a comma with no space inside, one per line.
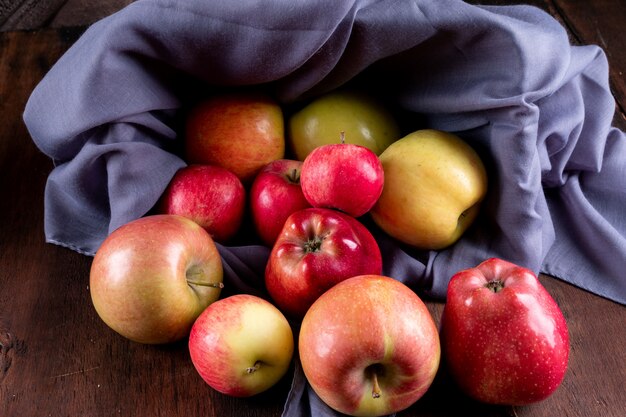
(434,185)
(239,131)
(241,345)
(152,277)
(364,121)
(504,337)
(369,346)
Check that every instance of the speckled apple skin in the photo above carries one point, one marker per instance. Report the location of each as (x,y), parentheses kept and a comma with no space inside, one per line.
(507,347)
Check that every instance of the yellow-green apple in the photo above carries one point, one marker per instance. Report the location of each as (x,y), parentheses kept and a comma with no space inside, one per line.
(344,177)
(364,120)
(241,345)
(241,132)
(434,184)
(152,277)
(316,249)
(369,346)
(209,195)
(504,337)
(275,194)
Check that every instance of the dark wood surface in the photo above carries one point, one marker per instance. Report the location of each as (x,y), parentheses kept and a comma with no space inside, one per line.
(57,358)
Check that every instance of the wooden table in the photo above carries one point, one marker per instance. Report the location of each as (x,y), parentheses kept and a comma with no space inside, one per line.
(57,358)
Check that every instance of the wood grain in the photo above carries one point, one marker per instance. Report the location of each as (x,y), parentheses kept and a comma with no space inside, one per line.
(57,358)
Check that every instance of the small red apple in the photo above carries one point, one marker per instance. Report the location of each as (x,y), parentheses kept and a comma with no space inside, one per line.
(316,249)
(241,345)
(151,278)
(239,131)
(504,337)
(210,195)
(274,195)
(342,176)
(369,346)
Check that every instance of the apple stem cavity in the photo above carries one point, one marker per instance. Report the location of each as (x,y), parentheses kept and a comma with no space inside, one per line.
(314,244)
(495,285)
(253,369)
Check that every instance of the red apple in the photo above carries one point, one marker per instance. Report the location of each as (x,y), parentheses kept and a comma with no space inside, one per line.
(210,195)
(504,337)
(369,346)
(241,345)
(241,132)
(152,277)
(274,195)
(316,249)
(342,176)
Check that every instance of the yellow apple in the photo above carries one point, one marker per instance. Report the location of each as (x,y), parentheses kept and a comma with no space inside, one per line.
(434,184)
(362,119)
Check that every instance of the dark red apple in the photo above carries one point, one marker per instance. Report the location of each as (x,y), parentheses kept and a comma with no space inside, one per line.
(316,249)
(209,195)
(275,194)
(504,337)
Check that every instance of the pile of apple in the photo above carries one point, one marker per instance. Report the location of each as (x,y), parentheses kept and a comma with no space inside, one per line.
(367,343)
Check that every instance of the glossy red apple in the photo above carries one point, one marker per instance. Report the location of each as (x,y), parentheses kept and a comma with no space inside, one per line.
(504,337)
(210,195)
(342,176)
(275,194)
(316,249)
(241,345)
(151,278)
(369,346)
(239,131)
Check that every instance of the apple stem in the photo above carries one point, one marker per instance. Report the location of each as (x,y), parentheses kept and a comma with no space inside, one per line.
(495,285)
(294,176)
(342,137)
(206,284)
(254,368)
(375,388)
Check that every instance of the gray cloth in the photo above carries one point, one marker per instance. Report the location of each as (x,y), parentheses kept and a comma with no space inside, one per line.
(27,14)
(506,79)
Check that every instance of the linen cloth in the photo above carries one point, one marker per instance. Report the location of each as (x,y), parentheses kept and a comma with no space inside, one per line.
(504,78)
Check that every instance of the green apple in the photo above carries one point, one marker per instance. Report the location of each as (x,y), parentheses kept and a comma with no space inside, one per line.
(434,184)
(362,119)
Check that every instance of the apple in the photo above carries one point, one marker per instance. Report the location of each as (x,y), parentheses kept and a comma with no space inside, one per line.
(275,194)
(434,185)
(369,346)
(504,337)
(152,277)
(316,249)
(342,176)
(241,345)
(365,121)
(239,131)
(210,195)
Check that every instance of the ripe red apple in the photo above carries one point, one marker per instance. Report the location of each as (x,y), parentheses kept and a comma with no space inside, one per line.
(241,345)
(274,195)
(241,132)
(210,195)
(316,249)
(152,277)
(342,176)
(504,337)
(369,346)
